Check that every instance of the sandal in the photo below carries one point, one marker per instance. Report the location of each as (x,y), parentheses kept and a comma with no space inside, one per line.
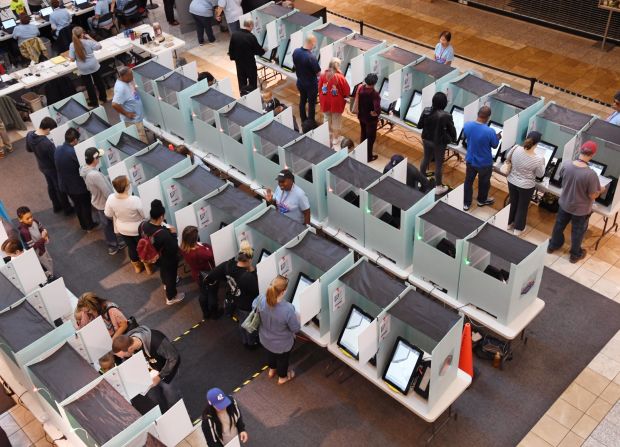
(290,376)
(271,374)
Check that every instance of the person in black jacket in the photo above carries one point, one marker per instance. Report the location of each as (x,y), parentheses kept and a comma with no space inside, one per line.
(437,131)
(37,142)
(242,49)
(71,182)
(164,240)
(222,420)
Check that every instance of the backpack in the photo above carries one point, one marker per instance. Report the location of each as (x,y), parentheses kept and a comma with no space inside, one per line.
(146,248)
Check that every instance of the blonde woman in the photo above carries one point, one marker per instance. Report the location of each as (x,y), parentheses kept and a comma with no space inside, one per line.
(90,306)
(278,325)
(82,51)
(333,92)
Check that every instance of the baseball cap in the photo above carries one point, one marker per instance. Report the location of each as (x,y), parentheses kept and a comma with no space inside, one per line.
(91,154)
(396,159)
(218,399)
(534,135)
(588,148)
(284,174)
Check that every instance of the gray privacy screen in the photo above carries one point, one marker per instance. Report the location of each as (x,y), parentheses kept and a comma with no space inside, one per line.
(604,130)
(103,412)
(94,124)
(176,82)
(160,158)
(22,325)
(300,19)
(213,99)
(64,372)
(502,244)
(277,133)
(452,220)
(333,32)
(433,69)
(242,115)
(424,314)
(373,283)
(9,294)
(566,117)
(310,150)
(319,251)
(362,42)
(476,85)
(354,172)
(128,144)
(277,227)
(275,10)
(509,95)
(200,181)
(152,70)
(233,202)
(396,193)
(400,56)
(71,109)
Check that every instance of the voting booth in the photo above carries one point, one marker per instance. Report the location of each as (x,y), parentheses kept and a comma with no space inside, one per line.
(204,107)
(89,124)
(389,220)
(267,143)
(292,30)
(62,111)
(354,53)
(326,36)
(308,160)
(144,76)
(438,245)
(119,145)
(187,187)
(500,273)
(310,263)
(267,20)
(25,271)
(97,139)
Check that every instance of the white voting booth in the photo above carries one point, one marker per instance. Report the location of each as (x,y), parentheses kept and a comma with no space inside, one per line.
(427,78)
(204,106)
(88,124)
(25,271)
(267,20)
(310,263)
(291,31)
(118,144)
(355,53)
(96,140)
(62,111)
(326,36)
(145,76)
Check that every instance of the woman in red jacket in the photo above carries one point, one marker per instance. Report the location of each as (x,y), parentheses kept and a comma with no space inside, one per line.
(333,92)
(199,258)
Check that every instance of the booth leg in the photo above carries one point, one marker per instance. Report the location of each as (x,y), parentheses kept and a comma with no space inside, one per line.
(612,227)
(437,426)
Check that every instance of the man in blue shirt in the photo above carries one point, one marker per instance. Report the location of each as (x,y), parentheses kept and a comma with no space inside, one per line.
(59,18)
(25,30)
(479,159)
(307,69)
(127,102)
(614,118)
(289,198)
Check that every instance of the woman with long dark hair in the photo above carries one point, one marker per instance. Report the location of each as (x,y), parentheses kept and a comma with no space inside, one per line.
(222,420)
(199,257)
(368,111)
(82,51)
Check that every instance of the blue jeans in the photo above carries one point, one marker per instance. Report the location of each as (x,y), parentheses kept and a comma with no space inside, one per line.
(484,183)
(579,225)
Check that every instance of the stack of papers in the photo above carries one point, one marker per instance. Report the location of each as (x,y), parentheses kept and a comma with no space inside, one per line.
(58,60)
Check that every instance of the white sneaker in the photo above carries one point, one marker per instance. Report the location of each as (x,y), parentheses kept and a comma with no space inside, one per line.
(441,189)
(517,232)
(176,299)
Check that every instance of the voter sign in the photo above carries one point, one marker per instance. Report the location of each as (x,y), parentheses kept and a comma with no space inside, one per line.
(174,195)
(407,81)
(137,174)
(375,66)
(384,327)
(282,31)
(204,216)
(245,236)
(284,265)
(113,156)
(338,298)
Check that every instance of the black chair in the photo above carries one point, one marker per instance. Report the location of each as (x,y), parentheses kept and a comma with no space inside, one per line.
(135,16)
(62,42)
(104,33)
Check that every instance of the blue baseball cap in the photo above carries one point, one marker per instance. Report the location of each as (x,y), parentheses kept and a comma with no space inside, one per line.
(218,399)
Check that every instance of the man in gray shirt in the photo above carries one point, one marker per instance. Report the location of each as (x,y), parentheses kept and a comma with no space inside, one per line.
(580,187)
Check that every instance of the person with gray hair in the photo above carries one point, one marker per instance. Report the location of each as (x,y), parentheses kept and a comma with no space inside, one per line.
(127,102)
(334,91)
(307,68)
(242,49)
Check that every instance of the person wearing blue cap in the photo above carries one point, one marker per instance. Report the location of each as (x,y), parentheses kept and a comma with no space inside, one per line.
(222,420)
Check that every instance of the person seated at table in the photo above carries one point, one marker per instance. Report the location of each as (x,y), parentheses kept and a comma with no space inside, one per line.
(25,30)
(102,7)
(18,7)
(59,18)
(120,5)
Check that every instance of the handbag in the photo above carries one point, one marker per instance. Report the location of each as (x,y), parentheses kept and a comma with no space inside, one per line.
(252,322)
(355,103)
(507,166)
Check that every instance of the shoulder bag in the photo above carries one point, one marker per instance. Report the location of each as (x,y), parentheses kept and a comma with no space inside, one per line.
(252,322)
(507,166)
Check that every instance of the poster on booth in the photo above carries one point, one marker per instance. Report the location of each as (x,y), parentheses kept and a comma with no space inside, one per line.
(175,196)
(284,265)
(375,66)
(244,236)
(137,174)
(282,31)
(113,156)
(205,217)
(384,326)
(338,298)
(407,81)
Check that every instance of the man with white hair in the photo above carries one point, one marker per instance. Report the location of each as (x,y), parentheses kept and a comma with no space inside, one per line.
(242,49)
(307,69)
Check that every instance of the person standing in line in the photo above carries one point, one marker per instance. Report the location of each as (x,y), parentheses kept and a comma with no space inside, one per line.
(100,189)
(526,167)
(165,242)
(126,213)
(278,325)
(82,51)
(580,187)
(59,18)
(37,142)
(368,111)
(35,236)
(444,53)
(232,10)
(202,12)
(127,102)
(334,90)
(481,139)
(169,12)
(289,198)
(242,48)
(614,118)
(199,257)
(222,420)
(70,181)
(437,131)
(307,69)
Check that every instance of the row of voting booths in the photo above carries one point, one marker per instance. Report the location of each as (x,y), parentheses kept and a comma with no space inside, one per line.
(58,366)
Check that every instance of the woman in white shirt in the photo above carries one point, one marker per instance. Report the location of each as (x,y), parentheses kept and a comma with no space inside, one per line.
(126,212)
(526,166)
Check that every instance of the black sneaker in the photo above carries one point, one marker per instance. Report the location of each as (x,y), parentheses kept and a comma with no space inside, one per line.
(489,201)
(575,259)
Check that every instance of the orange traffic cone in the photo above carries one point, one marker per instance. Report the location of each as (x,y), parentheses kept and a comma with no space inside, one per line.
(465,361)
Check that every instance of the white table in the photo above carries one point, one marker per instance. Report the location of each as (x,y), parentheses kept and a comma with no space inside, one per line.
(275,67)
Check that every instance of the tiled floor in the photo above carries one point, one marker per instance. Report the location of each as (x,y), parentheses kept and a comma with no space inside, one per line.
(22,428)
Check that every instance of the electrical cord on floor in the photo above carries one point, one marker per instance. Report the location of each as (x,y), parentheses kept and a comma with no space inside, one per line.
(19,399)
